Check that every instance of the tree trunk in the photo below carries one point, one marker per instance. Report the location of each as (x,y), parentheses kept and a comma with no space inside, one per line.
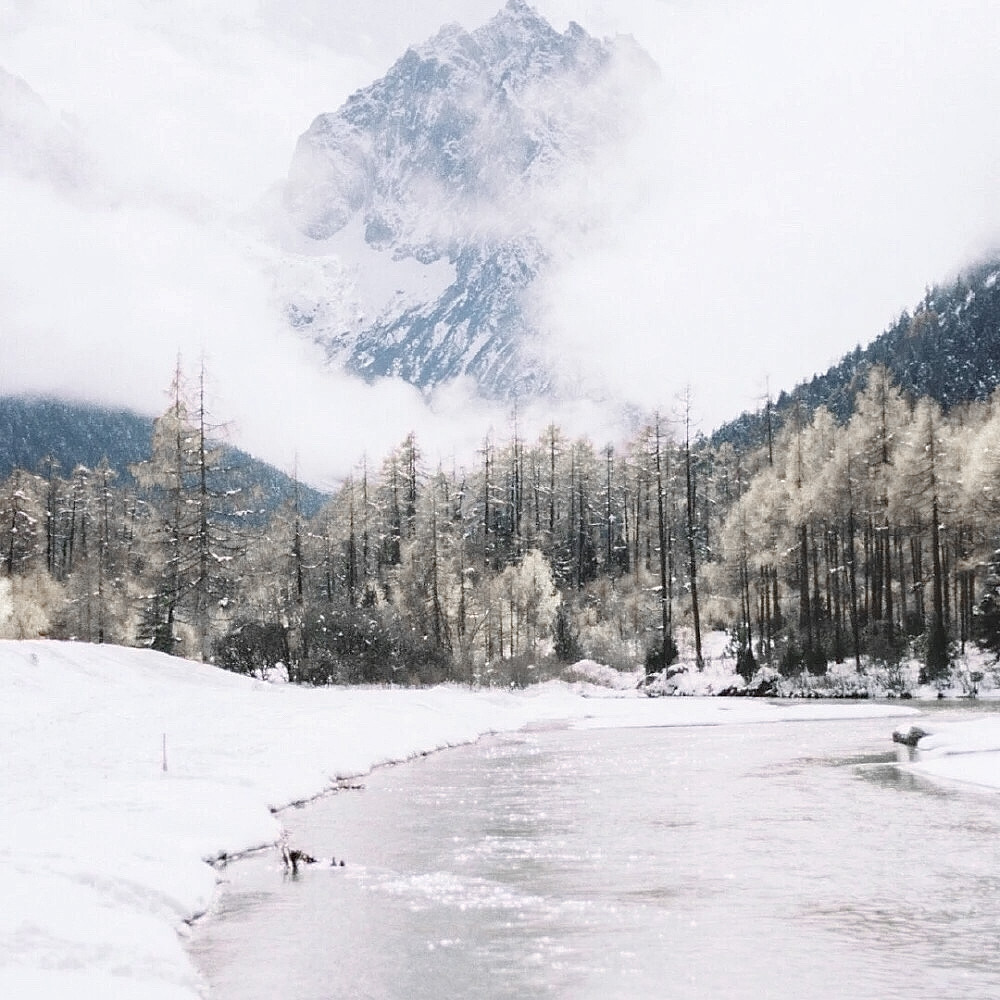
(692,558)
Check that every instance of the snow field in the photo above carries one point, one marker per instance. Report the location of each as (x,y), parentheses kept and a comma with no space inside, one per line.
(102,851)
(959,751)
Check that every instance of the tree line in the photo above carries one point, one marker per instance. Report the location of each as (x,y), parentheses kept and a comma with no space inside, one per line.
(832,541)
(872,538)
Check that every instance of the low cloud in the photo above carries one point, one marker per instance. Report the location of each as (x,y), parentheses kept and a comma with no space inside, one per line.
(103,301)
(805,171)
(184,125)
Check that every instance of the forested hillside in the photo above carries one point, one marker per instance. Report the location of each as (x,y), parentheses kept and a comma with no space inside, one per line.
(70,434)
(865,541)
(48,434)
(948,350)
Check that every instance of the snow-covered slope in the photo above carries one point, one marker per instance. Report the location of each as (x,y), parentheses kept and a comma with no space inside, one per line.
(460,154)
(101,850)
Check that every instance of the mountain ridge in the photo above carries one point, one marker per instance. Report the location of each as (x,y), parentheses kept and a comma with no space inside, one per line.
(35,430)
(947,348)
(454,156)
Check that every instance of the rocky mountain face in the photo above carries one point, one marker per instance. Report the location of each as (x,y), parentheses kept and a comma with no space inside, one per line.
(444,177)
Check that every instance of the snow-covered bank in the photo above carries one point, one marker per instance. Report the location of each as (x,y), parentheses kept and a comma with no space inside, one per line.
(959,751)
(102,851)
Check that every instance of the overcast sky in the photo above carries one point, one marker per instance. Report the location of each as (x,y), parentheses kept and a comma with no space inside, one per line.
(809,169)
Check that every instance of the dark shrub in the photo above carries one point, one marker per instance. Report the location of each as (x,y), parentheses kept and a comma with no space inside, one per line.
(251,647)
(658,659)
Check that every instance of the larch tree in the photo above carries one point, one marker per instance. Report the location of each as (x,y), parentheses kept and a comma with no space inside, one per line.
(190,531)
(919,490)
(661,472)
(690,531)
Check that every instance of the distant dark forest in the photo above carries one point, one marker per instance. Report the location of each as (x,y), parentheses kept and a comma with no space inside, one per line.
(37,431)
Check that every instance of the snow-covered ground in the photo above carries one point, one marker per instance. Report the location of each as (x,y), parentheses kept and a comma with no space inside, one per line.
(966,751)
(102,850)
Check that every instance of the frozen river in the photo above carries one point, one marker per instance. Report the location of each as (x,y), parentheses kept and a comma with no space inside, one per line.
(780,860)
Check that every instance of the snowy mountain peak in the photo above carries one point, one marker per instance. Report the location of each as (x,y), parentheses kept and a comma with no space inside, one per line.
(452,156)
(519,16)
(521,45)
(516,31)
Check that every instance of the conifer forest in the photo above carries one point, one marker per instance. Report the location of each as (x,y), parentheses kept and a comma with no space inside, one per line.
(865,541)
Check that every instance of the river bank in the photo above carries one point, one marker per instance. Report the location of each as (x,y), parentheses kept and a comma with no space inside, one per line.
(125,771)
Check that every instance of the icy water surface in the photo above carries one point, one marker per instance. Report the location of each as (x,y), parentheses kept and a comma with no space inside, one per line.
(787,860)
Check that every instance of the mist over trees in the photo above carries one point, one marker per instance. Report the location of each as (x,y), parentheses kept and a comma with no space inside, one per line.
(866,540)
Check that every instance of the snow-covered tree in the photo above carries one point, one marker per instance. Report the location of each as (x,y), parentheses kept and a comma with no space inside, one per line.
(190,530)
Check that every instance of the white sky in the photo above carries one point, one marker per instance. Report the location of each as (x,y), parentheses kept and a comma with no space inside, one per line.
(809,169)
